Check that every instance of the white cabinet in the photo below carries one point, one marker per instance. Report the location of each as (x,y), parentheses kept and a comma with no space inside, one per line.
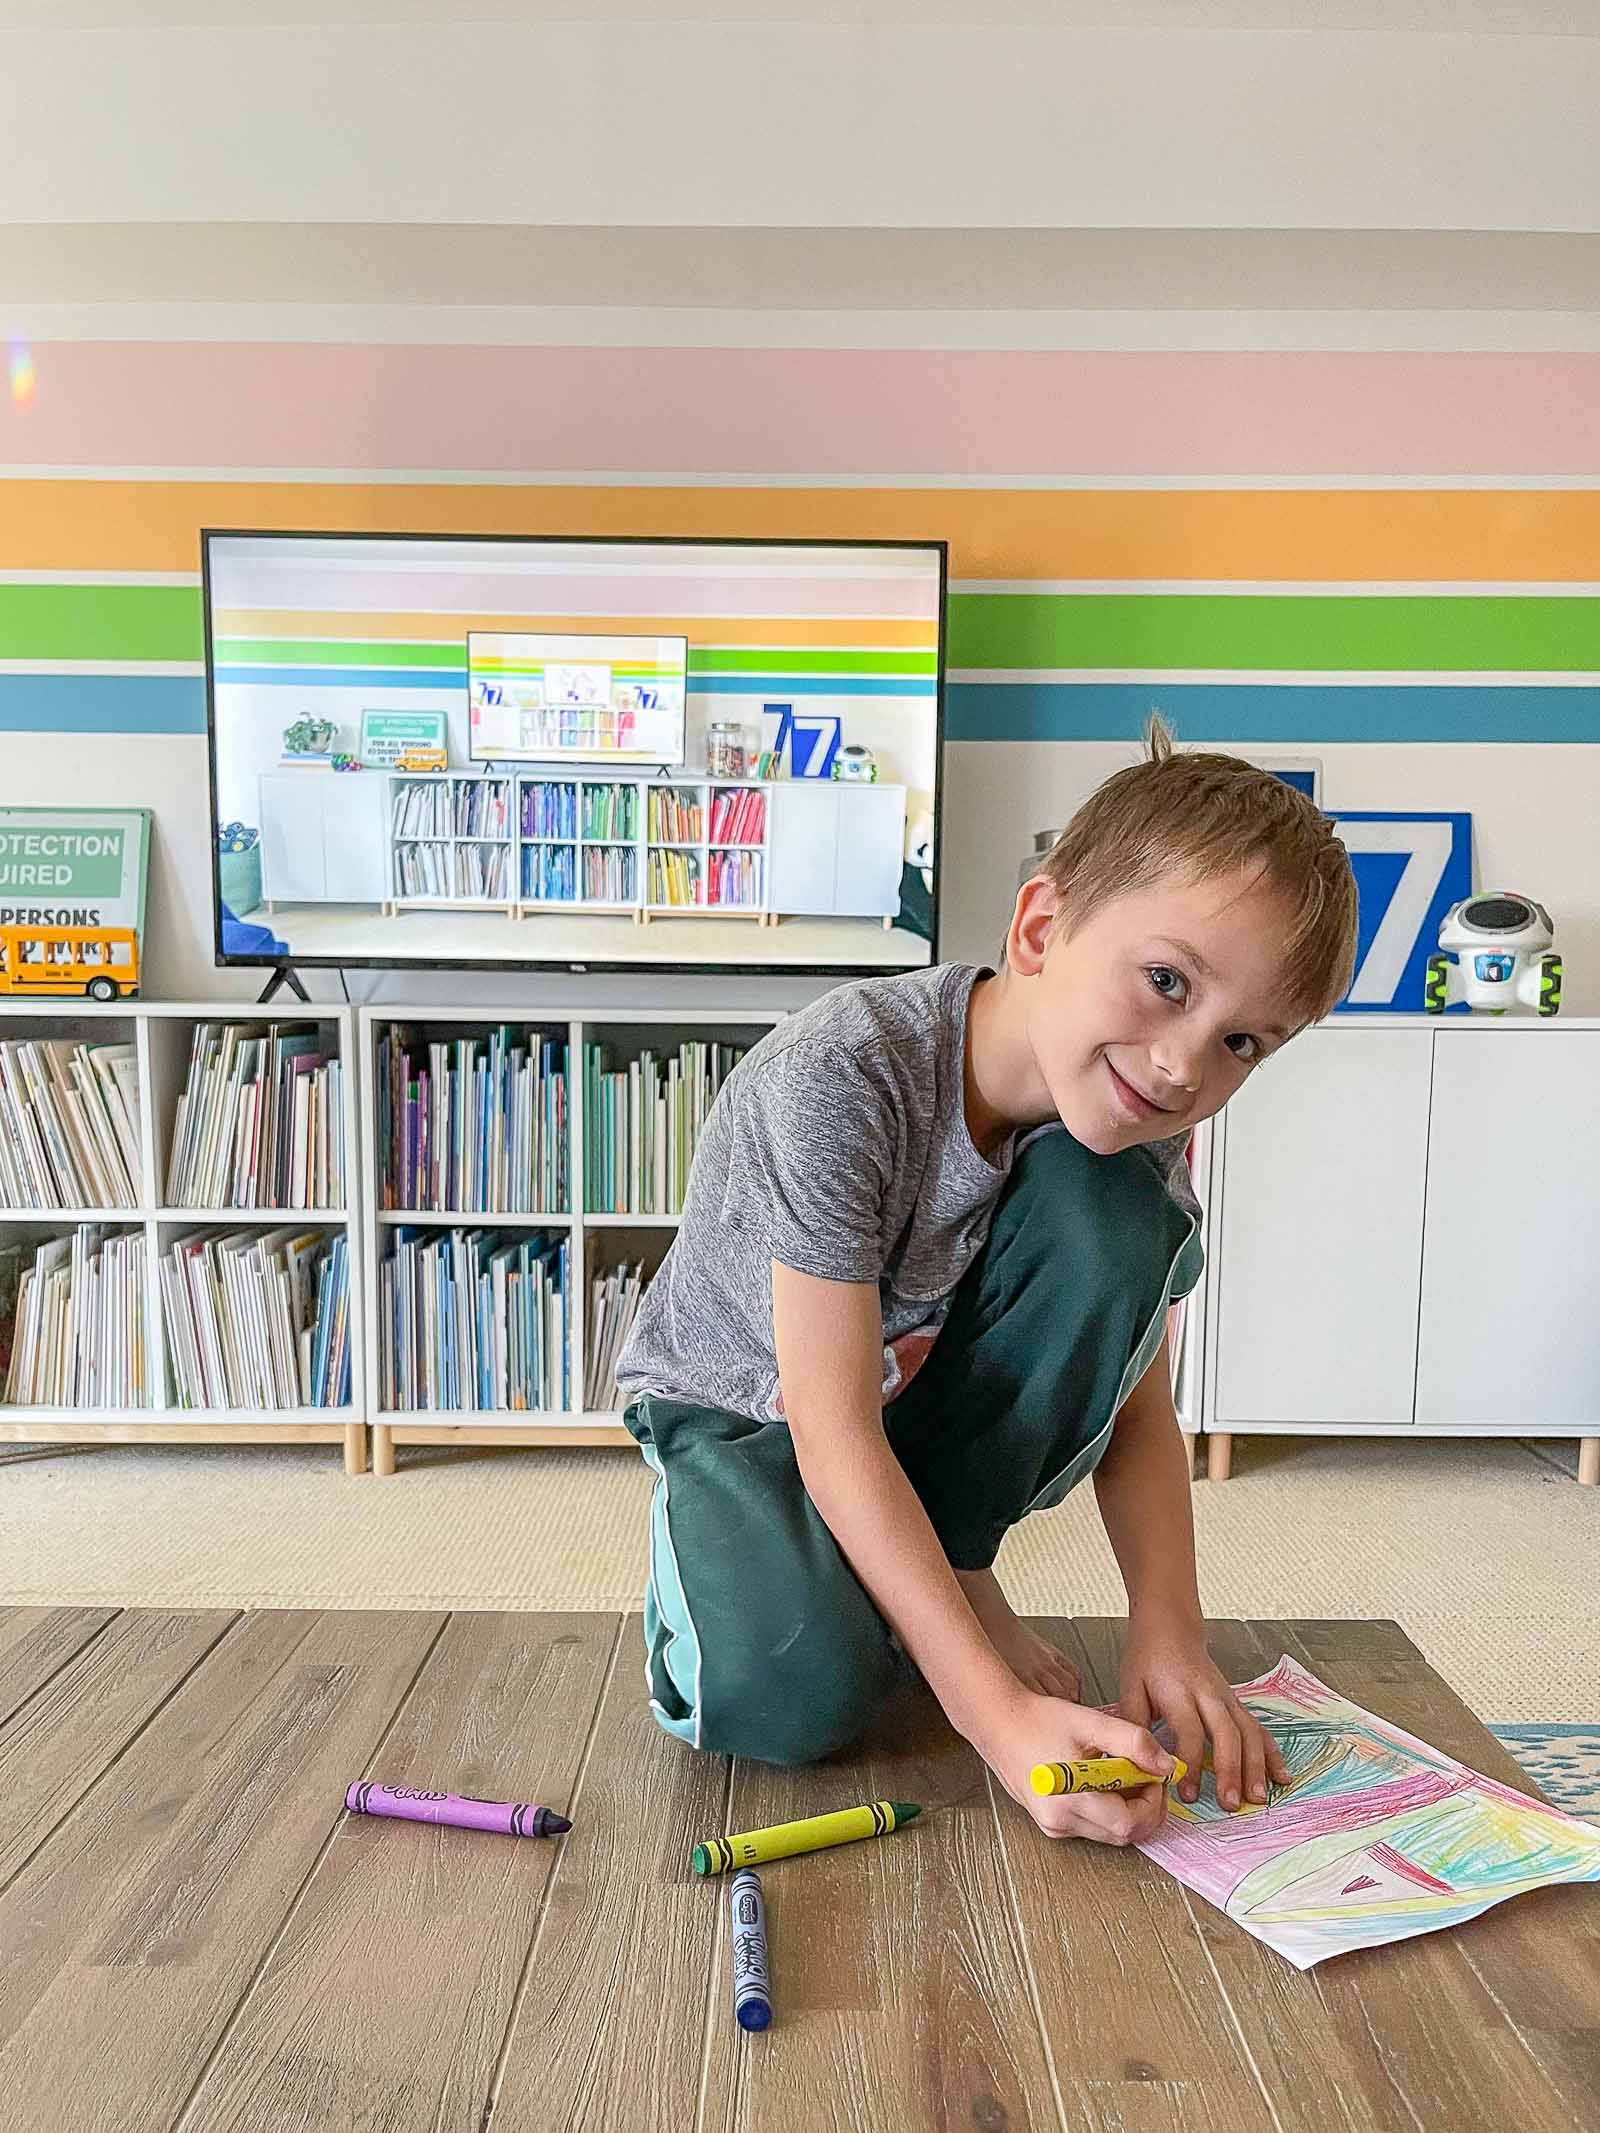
(1511,1273)
(1400,1235)
(837,849)
(324,837)
(1320,1232)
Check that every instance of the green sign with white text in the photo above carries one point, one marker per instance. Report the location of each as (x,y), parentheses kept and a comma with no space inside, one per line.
(73,866)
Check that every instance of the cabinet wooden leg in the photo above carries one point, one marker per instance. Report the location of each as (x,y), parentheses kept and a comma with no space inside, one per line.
(1188,1452)
(355,1448)
(1589,1461)
(382,1449)
(1219,1455)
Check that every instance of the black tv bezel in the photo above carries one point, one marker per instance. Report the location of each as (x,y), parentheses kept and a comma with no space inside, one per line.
(617,636)
(577,966)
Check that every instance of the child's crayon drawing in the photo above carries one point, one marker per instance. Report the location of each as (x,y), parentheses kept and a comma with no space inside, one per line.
(1376,1836)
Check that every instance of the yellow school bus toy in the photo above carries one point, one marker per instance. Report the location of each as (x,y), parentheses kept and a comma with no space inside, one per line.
(102,961)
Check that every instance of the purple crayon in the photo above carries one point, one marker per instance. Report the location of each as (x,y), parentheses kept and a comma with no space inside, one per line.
(510,1818)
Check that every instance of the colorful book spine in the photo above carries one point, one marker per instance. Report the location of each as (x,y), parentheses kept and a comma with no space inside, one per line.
(473,1125)
(475,1319)
(642,1123)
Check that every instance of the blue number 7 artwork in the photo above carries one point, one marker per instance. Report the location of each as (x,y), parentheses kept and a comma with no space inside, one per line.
(1409,870)
(812,739)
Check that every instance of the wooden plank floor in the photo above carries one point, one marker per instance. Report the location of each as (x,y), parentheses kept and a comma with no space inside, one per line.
(197,1938)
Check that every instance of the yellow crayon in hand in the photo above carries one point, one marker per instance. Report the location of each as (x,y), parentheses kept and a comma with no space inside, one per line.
(1100,1773)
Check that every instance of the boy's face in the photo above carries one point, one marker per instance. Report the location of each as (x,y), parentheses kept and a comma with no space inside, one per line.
(1147,1017)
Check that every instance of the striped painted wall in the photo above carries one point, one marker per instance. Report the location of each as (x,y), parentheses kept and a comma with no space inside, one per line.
(1319,547)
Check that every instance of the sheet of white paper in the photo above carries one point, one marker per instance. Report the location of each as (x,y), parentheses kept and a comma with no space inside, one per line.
(1376,1837)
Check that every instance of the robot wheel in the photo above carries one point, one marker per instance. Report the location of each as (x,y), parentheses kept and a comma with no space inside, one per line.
(1549,985)
(1436,988)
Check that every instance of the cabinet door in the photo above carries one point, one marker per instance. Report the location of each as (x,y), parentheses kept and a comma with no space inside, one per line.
(1319,1265)
(871,844)
(805,838)
(292,866)
(355,826)
(1510,1267)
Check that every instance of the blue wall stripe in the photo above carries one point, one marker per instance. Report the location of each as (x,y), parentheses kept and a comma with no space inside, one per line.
(1270,711)
(102,703)
(975,711)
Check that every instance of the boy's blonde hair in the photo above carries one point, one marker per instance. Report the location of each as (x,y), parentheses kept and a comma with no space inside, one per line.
(1199,815)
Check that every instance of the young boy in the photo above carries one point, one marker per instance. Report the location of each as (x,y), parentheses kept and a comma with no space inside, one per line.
(896,1318)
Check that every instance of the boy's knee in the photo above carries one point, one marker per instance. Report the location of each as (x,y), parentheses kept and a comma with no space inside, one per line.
(1109,1217)
(812,1700)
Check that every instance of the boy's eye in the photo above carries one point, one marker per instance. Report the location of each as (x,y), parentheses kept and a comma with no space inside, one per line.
(1252,1051)
(1171,984)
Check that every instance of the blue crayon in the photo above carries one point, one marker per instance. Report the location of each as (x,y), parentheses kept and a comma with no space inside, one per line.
(752,1990)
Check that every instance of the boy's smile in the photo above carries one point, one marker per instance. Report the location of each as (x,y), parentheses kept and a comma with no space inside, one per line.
(1138,1023)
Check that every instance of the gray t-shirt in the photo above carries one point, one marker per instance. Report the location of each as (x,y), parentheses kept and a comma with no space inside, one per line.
(839,1147)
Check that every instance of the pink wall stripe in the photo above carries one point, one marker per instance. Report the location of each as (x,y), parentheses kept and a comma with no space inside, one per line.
(861,412)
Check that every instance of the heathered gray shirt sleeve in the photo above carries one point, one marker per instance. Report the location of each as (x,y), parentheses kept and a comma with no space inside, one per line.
(815,1136)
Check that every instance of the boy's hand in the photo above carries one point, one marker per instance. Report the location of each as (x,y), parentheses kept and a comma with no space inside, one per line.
(1045,1729)
(1168,1673)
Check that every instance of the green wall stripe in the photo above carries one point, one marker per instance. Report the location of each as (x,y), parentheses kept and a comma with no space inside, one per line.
(157,622)
(1466,633)
(1322,632)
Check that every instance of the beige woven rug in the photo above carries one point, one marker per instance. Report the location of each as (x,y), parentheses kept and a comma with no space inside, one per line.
(1484,1552)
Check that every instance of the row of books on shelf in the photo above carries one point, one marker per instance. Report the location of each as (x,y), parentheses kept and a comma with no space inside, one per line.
(734,878)
(72,1320)
(675,878)
(611,811)
(550,811)
(610,874)
(642,1122)
(480,870)
(472,1125)
(260,1122)
(464,807)
(675,817)
(474,1318)
(254,1320)
(69,1124)
(739,817)
(614,1301)
(550,873)
(258,1320)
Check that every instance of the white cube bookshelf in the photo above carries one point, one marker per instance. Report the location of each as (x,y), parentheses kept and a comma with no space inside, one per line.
(161,1034)
(598,1239)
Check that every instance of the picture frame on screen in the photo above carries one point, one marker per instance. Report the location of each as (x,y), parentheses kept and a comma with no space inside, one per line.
(530,751)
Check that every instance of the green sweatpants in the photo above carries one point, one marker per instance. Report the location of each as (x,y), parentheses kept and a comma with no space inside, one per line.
(760,1640)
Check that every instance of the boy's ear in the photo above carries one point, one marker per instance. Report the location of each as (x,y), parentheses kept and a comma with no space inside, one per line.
(1033,920)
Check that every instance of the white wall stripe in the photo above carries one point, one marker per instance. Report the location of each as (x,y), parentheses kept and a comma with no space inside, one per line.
(144,669)
(1275,588)
(184,578)
(433,477)
(686,326)
(1285,677)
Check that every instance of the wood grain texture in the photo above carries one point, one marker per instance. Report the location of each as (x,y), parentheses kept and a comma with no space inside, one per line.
(56,1746)
(35,1642)
(414,1931)
(1409,2027)
(1536,1959)
(900,1983)
(609,2033)
(1129,2000)
(198,1940)
(131,1936)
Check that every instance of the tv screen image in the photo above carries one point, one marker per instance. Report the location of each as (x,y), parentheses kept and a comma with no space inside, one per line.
(553,698)
(575,753)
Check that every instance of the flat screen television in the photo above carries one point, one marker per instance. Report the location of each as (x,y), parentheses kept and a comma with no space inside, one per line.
(584,754)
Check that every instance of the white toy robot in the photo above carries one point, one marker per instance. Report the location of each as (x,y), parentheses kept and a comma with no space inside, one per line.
(1499,940)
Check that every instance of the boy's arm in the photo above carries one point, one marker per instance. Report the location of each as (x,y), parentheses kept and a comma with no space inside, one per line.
(1143,1488)
(829,1339)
